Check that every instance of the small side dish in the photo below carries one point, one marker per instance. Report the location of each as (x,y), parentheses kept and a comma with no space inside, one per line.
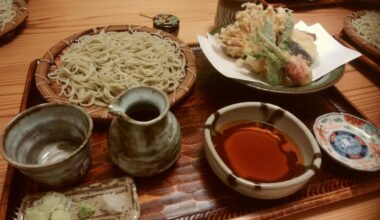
(265,40)
(350,140)
(106,200)
(166,22)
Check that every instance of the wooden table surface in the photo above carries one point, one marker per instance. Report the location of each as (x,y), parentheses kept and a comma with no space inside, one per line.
(51,21)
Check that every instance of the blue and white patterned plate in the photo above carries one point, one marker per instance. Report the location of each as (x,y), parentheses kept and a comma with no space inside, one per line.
(350,140)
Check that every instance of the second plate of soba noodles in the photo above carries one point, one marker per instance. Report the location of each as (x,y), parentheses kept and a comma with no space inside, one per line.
(91,68)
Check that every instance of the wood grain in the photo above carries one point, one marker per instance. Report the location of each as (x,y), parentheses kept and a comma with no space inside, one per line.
(50,21)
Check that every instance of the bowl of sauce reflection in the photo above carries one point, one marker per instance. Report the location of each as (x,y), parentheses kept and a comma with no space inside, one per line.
(260,150)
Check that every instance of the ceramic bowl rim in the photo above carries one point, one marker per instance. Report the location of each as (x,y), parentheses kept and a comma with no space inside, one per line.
(154,120)
(275,185)
(31,110)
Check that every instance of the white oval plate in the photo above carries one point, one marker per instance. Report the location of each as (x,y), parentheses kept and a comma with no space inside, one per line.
(350,140)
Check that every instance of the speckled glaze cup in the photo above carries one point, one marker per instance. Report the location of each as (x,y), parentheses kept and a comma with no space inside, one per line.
(144,137)
(50,143)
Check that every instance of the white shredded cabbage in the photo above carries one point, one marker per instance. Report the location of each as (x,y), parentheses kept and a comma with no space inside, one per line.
(52,206)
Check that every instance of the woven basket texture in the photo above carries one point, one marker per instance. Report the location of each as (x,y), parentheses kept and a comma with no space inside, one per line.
(362,43)
(50,89)
(20,7)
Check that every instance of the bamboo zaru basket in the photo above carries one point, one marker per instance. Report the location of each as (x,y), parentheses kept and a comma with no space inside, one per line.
(20,8)
(356,38)
(50,89)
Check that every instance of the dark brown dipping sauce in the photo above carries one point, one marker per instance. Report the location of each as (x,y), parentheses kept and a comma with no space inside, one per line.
(259,152)
(143,112)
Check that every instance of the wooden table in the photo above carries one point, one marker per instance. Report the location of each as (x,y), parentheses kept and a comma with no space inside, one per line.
(51,21)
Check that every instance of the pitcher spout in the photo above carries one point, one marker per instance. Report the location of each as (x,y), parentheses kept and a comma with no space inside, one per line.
(115,108)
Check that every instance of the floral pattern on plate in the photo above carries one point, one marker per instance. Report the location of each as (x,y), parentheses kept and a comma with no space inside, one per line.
(350,140)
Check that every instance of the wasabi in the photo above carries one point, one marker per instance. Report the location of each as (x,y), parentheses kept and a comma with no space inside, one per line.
(85,210)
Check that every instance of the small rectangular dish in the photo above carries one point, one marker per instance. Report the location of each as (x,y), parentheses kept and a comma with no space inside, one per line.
(93,195)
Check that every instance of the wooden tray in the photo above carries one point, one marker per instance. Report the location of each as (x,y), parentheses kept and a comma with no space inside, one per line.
(189,189)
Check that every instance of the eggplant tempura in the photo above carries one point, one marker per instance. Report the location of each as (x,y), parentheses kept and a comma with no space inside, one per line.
(266,41)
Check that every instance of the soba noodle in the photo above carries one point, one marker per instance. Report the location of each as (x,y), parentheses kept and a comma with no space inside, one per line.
(99,67)
(368,26)
(6,12)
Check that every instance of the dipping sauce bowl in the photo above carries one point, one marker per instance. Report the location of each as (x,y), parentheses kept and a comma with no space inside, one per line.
(260,149)
(49,143)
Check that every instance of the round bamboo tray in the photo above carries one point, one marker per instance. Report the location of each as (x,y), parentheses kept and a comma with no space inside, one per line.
(21,13)
(357,38)
(50,89)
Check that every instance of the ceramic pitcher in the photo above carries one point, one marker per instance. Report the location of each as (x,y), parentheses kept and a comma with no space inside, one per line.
(144,137)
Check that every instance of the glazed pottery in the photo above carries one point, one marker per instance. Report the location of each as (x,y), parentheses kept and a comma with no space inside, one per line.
(351,141)
(50,143)
(277,117)
(144,137)
(120,189)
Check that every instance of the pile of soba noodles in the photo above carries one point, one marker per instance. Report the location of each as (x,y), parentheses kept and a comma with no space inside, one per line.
(7,13)
(368,26)
(97,68)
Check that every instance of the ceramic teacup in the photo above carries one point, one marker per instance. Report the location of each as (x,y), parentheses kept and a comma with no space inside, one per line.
(50,143)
